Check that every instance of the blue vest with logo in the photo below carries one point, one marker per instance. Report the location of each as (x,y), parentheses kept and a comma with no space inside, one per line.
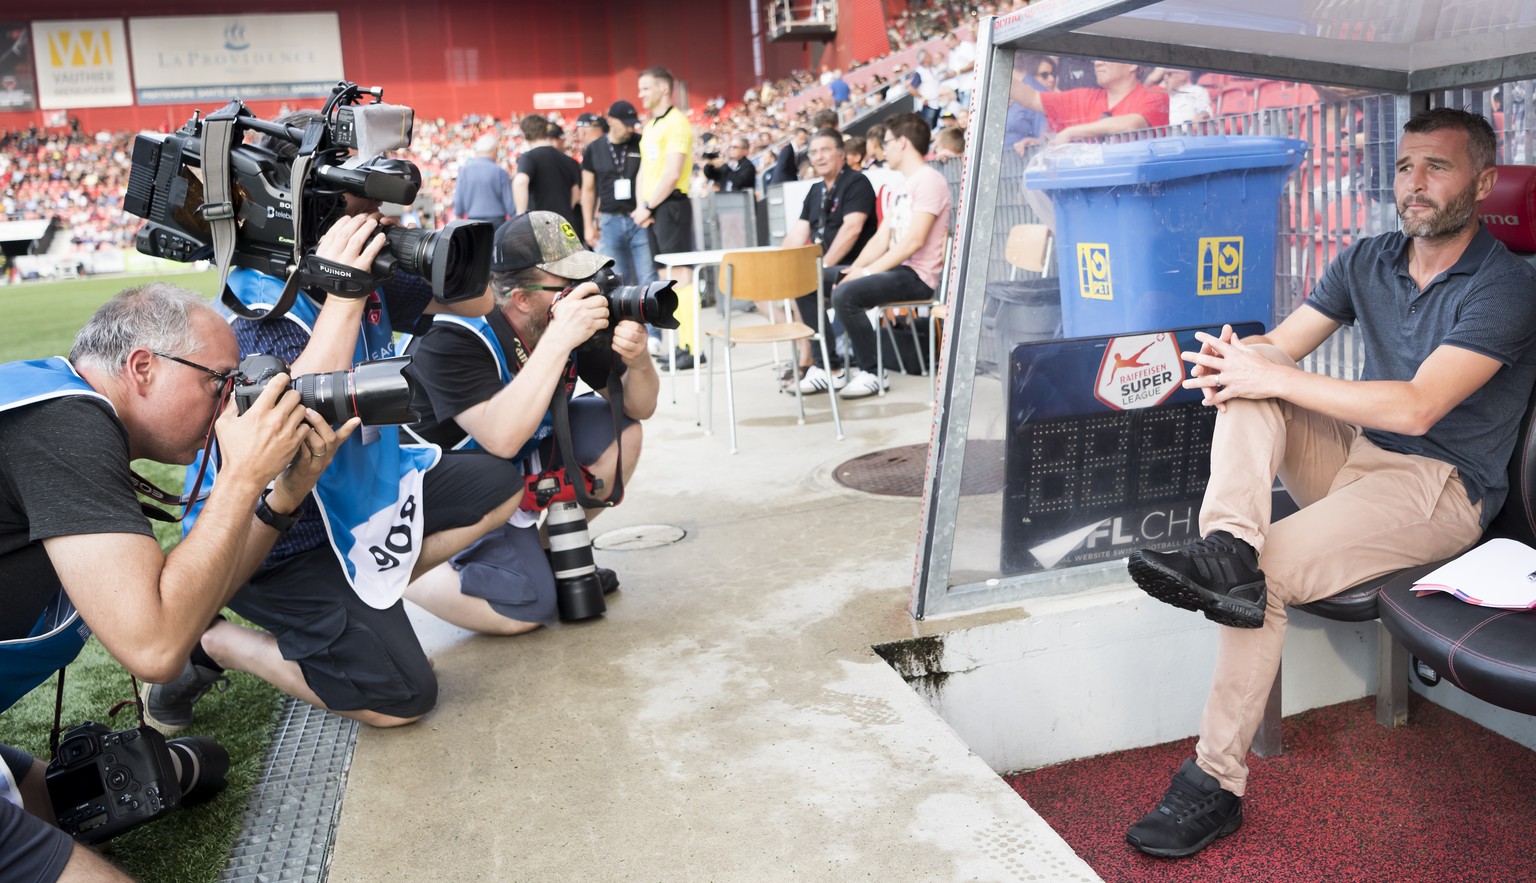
(370,495)
(482,329)
(58,635)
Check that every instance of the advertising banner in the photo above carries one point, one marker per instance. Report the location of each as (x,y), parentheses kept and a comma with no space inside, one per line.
(17,89)
(184,58)
(1106,451)
(81,63)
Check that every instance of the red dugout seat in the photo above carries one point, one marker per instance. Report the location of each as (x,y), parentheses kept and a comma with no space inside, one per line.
(1509,212)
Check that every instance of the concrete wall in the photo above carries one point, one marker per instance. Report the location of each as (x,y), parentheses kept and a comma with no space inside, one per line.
(1110,669)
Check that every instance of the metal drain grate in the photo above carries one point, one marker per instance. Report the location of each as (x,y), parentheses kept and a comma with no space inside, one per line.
(899,472)
(290,824)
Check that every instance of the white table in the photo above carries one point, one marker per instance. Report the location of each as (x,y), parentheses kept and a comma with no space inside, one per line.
(697,260)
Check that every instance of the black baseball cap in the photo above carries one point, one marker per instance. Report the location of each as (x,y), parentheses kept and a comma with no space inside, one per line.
(624,112)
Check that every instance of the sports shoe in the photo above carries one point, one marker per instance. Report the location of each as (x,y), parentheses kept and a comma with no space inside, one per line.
(168,707)
(685,360)
(1194,811)
(817,379)
(864,383)
(608,580)
(1218,576)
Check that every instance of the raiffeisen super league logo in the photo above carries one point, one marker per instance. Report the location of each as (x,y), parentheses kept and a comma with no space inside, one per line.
(1140,371)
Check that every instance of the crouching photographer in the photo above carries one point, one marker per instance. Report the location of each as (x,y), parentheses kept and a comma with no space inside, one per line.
(148,377)
(504,382)
(333,628)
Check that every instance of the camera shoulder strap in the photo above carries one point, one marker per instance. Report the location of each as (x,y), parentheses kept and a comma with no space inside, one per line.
(559,406)
(58,711)
(218,209)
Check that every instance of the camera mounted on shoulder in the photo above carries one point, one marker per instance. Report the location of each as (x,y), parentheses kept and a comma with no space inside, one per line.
(206,195)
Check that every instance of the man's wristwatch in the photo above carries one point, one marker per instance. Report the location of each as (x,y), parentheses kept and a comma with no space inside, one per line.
(266,515)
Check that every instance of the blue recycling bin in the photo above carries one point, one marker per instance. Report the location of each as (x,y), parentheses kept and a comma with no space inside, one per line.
(1169,233)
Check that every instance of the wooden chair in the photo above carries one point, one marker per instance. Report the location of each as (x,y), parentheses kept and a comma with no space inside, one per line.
(764,277)
(1028,247)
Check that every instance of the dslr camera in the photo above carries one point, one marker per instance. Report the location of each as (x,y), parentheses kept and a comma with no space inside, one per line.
(103,783)
(279,220)
(379,393)
(653,304)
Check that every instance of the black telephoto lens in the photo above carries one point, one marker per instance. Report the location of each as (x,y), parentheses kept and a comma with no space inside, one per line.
(456,259)
(653,304)
(378,392)
(578,591)
(201,767)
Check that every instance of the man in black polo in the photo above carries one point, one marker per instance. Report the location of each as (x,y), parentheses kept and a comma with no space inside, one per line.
(839,215)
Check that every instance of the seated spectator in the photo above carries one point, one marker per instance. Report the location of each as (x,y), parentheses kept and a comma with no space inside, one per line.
(839,215)
(853,152)
(1024,126)
(905,256)
(1188,101)
(949,143)
(1119,104)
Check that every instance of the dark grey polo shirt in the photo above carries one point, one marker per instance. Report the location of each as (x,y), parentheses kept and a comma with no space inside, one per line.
(1485,303)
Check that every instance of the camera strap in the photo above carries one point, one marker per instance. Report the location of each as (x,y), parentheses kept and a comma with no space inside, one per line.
(559,406)
(58,711)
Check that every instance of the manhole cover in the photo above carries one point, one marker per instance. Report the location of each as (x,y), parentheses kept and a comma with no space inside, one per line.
(641,536)
(899,472)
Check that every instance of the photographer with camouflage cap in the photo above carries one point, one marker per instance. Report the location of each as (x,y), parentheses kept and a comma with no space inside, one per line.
(491,381)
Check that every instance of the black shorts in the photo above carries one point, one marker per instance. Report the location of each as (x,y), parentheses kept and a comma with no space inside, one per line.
(507,567)
(673,230)
(353,656)
(30,848)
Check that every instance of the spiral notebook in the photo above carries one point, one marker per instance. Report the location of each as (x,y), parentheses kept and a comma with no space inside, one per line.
(1499,573)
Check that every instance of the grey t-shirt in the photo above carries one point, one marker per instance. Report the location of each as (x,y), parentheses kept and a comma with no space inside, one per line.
(63,471)
(1485,303)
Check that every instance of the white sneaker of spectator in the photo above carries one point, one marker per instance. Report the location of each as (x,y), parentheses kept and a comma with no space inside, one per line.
(817,379)
(864,383)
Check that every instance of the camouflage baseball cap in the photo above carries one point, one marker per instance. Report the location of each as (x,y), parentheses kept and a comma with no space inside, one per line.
(547,241)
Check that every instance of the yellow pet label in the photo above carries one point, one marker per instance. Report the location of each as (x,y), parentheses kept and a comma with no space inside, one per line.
(1093,270)
(1221,265)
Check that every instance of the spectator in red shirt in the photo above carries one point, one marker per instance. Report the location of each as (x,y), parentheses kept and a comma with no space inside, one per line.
(1120,104)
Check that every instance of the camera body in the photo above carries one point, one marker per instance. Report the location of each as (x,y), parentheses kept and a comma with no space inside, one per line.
(380,392)
(103,783)
(166,189)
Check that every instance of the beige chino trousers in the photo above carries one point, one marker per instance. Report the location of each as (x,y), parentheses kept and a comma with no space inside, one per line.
(1364,512)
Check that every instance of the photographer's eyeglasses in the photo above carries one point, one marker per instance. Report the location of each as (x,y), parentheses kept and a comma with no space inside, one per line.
(223,377)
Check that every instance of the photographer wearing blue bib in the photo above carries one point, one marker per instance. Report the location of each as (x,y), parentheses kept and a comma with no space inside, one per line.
(328,597)
(499,382)
(148,377)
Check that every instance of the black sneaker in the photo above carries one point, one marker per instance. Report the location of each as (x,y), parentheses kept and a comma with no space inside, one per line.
(1194,811)
(1218,576)
(168,707)
(608,580)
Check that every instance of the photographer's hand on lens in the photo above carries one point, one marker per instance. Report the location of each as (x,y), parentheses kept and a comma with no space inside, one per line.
(260,443)
(320,445)
(576,317)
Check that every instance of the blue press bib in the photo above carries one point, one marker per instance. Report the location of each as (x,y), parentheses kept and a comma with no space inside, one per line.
(60,633)
(370,495)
